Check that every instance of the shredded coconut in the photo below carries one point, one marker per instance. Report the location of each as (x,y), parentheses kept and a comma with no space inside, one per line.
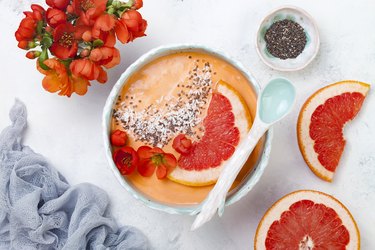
(157,126)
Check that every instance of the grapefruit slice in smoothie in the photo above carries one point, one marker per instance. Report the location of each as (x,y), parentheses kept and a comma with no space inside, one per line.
(186,95)
(228,119)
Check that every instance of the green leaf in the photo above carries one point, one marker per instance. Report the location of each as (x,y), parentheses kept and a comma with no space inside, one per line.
(111,10)
(109,3)
(130,3)
(116,4)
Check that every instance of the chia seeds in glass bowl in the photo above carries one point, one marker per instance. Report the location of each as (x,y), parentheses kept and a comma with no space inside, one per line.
(285,39)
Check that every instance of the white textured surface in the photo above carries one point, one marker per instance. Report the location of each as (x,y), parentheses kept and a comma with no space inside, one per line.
(68,131)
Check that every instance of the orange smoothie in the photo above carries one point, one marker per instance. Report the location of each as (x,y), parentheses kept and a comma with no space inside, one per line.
(170,96)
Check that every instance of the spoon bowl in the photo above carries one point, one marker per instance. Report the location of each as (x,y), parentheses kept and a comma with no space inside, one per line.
(276,100)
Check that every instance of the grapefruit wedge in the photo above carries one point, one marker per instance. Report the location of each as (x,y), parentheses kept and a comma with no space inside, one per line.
(227,121)
(305,220)
(321,122)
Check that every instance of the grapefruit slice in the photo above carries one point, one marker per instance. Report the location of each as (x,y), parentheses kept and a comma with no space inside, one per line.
(307,220)
(227,121)
(321,122)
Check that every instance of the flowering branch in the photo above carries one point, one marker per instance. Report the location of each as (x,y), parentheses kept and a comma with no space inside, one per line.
(74,40)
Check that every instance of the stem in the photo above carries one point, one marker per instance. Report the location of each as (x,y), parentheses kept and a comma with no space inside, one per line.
(66,62)
(39,27)
(43,56)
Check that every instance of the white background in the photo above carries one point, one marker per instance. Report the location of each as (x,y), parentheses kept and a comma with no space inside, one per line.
(68,131)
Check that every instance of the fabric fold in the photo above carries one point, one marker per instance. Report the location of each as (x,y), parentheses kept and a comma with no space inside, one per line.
(40,210)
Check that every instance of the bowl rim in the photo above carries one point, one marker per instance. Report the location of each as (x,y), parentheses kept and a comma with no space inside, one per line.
(151,55)
(298,9)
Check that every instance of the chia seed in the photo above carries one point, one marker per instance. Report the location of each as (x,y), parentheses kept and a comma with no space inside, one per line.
(157,127)
(285,39)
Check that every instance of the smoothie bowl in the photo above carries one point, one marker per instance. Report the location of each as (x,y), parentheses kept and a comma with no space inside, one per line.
(183,110)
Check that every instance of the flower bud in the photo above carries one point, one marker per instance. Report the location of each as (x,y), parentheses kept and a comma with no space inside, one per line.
(137,4)
(38,12)
(55,17)
(58,4)
(87,36)
(49,29)
(23,45)
(70,9)
(31,45)
(33,54)
(84,53)
(119,138)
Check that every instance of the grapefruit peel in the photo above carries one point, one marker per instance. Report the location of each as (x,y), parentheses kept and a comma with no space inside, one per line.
(305,142)
(242,121)
(275,212)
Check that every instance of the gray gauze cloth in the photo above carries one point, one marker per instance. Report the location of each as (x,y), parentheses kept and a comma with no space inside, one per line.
(40,210)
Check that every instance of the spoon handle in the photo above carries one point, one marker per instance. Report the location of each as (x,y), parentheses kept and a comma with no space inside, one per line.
(216,198)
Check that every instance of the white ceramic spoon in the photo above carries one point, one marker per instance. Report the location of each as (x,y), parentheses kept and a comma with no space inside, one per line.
(274,103)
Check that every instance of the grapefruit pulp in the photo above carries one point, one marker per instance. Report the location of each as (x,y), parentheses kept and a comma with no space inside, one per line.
(321,122)
(227,120)
(305,220)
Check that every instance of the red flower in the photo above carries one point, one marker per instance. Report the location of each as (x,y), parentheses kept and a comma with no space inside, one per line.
(106,56)
(64,43)
(182,144)
(138,4)
(25,32)
(109,38)
(23,45)
(58,79)
(104,23)
(89,10)
(126,160)
(89,34)
(37,12)
(151,158)
(88,69)
(130,26)
(118,138)
(81,29)
(58,4)
(81,35)
(103,29)
(55,17)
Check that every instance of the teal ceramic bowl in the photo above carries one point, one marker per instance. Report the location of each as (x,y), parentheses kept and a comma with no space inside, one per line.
(241,190)
(312,36)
